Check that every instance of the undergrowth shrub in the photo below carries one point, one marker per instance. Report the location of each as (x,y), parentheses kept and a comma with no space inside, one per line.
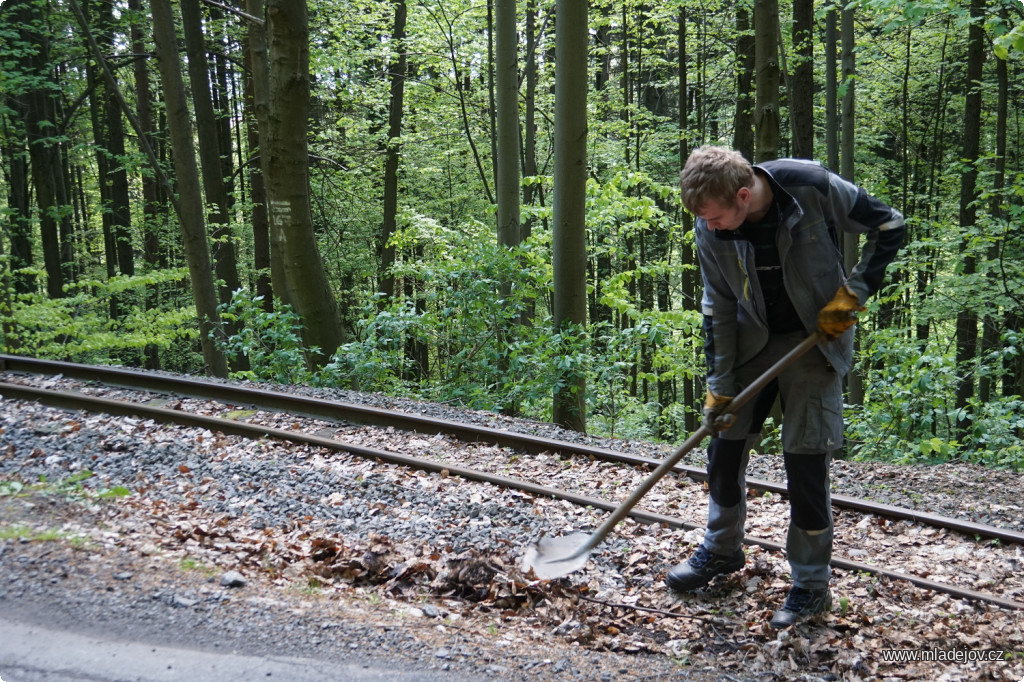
(271,341)
(78,327)
(909,415)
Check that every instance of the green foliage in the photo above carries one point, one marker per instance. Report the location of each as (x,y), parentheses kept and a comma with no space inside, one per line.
(78,327)
(478,357)
(376,360)
(1005,38)
(483,358)
(909,413)
(271,341)
(645,346)
(994,436)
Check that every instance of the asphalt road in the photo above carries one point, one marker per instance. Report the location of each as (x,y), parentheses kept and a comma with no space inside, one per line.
(29,653)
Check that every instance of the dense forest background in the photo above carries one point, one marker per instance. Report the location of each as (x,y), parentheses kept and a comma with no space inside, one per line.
(475,201)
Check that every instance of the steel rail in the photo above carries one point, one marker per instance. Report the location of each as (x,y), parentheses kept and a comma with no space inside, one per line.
(77,401)
(362,414)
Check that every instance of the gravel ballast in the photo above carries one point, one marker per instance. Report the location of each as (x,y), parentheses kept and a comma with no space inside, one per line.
(81,557)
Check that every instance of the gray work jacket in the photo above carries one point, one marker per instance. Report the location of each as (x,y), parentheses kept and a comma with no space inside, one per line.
(813,204)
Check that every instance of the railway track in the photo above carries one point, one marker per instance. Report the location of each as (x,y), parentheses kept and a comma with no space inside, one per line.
(346,413)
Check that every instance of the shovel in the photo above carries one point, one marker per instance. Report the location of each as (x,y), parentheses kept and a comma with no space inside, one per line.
(556,557)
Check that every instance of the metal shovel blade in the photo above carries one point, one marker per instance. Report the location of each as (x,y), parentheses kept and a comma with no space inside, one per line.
(552,558)
(556,557)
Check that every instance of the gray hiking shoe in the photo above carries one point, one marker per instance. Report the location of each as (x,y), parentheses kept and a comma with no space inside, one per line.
(699,569)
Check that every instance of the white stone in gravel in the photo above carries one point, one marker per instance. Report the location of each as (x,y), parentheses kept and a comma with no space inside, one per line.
(233,579)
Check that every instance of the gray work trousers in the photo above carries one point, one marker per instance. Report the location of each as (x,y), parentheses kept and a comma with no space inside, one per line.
(811,394)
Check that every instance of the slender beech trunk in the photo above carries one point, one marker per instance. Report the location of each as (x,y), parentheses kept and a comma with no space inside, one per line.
(260,71)
(225,261)
(926,180)
(689,259)
(766,65)
(507,181)
(569,222)
(120,211)
(967,317)
(831,89)
(153,253)
(743,127)
(531,193)
(1013,365)
(19,226)
(22,279)
(801,96)
(507,105)
(190,204)
(847,143)
(393,151)
(40,117)
(257,189)
(993,323)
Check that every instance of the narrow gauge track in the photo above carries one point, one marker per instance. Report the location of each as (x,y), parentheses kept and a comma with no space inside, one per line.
(338,411)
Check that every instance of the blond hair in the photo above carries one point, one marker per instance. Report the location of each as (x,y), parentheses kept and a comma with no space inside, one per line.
(713,174)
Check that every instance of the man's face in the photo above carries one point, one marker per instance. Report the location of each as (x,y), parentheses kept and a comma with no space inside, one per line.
(719,217)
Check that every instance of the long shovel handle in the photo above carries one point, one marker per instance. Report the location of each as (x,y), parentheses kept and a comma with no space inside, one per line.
(693,441)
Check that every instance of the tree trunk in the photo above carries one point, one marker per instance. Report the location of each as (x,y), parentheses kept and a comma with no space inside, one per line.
(99,132)
(153,253)
(190,204)
(507,105)
(743,128)
(44,151)
(225,261)
(848,135)
(286,170)
(993,324)
(462,84)
(831,89)
(211,159)
(1013,365)
(569,229)
(688,257)
(20,226)
(933,156)
(393,151)
(260,72)
(531,193)
(801,97)
(625,57)
(492,106)
(967,318)
(257,190)
(121,219)
(766,67)
(108,131)
(507,180)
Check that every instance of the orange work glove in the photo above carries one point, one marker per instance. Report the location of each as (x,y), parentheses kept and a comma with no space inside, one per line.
(714,404)
(840,313)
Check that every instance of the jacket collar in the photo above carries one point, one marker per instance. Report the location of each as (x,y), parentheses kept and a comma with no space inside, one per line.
(789,210)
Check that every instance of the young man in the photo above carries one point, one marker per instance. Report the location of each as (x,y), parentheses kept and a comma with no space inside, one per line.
(768,244)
